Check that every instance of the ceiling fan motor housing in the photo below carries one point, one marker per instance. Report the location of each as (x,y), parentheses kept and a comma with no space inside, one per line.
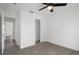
(51,10)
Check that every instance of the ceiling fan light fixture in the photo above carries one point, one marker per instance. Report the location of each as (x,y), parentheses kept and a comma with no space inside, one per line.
(51,10)
(49,7)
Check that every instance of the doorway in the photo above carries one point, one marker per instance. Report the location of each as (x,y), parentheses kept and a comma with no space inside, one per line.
(9,25)
(37,21)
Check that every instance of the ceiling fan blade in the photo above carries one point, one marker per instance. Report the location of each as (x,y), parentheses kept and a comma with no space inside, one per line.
(46,3)
(59,4)
(43,8)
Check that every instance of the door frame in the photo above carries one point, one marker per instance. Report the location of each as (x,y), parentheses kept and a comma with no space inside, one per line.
(3,34)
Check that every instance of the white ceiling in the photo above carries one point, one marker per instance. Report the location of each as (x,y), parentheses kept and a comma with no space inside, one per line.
(33,7)
(19,6)
(24,6)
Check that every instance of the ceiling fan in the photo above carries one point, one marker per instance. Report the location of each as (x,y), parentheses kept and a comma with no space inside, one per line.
(50,6)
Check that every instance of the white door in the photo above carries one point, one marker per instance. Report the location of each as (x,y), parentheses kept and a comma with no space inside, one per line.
(0,34)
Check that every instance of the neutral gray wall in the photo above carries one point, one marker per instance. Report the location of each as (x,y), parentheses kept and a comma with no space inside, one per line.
(17,29)
(63,26)
(28,31)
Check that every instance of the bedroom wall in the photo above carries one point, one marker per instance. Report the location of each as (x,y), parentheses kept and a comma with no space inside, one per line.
(27,29)
(63,26)
(18,29)
(28,32)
